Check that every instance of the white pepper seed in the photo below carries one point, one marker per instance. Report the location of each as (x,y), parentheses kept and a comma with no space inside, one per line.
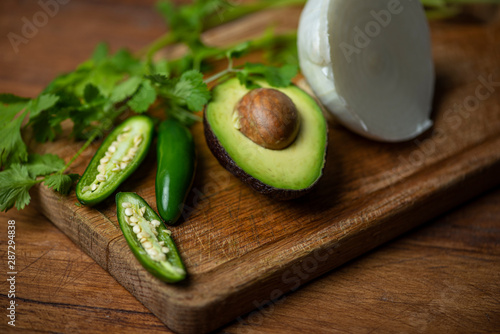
(123,165)
(129,212)
(142,211)
(142,240)
(116,169)
(85,189)
(134,219)
(101,178)
(104,160)
(147,245)
(127,129)
(101,169)
(108,154)
(132,151)
(94,187)
(126,158)
(112,149)
(165,250)
(152,252)
(137,140)
(167,232)
(161,243)
(137,229)
(126,205)
(155,223)
(179,270)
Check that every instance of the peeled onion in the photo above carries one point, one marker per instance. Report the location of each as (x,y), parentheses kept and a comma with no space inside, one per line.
(370,63)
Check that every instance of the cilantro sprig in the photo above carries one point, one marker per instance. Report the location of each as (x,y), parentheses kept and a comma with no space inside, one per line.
(18,179)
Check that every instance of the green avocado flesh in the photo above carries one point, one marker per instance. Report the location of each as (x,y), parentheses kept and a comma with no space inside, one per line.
(296,167)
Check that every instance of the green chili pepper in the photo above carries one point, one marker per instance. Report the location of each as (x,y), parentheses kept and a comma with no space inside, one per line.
(176,166)
(118,157)
(148,238)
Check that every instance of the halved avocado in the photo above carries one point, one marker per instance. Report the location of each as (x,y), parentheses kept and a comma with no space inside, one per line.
(281,174)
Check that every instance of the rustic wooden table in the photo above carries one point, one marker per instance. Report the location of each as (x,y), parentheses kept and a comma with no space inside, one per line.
(442,277)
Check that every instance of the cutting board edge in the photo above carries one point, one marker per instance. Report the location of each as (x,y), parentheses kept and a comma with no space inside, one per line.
(231,299)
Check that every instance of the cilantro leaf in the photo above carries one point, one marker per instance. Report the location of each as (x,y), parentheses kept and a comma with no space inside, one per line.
(125,89)
(192,91)
(238,50)
(12,147)
(103,71)
(40,117)
(47,125)
(61,182)
(90,93)
(43,164)
(159,79)
(187,22)
(41,103)
(125,63)
(10,99)
(188,19)
(275,76)
(279,49)
(84,117)
(161,67)
(16,183)
(9,112)
(144,98)
(104,77)
(101,52)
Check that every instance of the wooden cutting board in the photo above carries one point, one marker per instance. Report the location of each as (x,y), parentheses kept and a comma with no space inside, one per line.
(242,249)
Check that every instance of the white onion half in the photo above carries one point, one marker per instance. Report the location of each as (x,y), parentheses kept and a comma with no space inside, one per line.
(370,63)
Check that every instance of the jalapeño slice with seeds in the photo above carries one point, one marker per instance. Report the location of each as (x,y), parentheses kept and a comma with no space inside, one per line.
(118,157)
(148,238)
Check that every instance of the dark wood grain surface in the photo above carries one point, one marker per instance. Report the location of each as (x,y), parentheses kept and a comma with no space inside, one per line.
(430,281)
(442,277)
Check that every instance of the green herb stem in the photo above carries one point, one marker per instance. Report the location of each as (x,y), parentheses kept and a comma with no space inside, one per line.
(164,40)
(95,133)
(89,141)
(220,75)
(239,11)
(232,14)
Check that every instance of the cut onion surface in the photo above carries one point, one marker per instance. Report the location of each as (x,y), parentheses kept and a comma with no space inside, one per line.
(370,64)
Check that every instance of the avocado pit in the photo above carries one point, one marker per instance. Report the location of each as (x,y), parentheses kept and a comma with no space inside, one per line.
(268,117)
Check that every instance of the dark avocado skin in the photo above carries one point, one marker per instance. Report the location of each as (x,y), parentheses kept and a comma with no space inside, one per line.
(225,160)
